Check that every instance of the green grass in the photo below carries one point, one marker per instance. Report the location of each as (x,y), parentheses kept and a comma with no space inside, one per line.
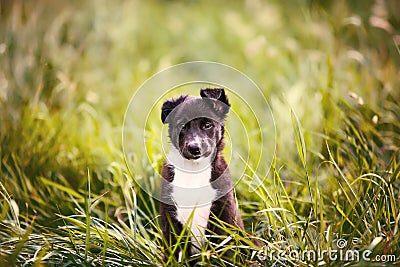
(329,69)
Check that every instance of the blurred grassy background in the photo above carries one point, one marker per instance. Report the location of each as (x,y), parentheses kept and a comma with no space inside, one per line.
(68,70)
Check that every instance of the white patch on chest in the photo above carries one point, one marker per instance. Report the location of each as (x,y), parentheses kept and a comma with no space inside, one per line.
(192,193)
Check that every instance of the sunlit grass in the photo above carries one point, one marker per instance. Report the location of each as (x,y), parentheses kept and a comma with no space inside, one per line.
(329,70)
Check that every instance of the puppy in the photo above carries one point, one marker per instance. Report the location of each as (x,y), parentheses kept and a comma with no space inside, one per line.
(196,185)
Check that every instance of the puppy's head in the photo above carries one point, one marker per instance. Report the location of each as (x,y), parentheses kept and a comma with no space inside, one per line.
(196,124)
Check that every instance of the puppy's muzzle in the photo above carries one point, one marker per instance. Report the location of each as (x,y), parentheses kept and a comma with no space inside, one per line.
(194,150)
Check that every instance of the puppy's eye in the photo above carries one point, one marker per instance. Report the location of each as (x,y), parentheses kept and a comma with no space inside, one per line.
(207,125)
(182,126)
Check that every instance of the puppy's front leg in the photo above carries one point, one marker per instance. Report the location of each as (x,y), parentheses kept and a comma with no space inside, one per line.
(171,228)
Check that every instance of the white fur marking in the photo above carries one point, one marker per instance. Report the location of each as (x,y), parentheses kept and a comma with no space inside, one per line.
(192,193)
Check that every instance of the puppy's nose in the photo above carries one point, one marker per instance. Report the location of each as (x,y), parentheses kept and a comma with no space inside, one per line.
(194,149)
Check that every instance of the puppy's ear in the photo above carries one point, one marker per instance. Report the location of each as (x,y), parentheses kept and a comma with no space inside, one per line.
(222,105)
(169,105)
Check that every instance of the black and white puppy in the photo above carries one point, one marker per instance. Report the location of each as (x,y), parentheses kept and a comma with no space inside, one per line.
(196,185)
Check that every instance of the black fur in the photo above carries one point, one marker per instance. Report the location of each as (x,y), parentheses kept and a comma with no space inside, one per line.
(185,116)
(169,105)
(222,104)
